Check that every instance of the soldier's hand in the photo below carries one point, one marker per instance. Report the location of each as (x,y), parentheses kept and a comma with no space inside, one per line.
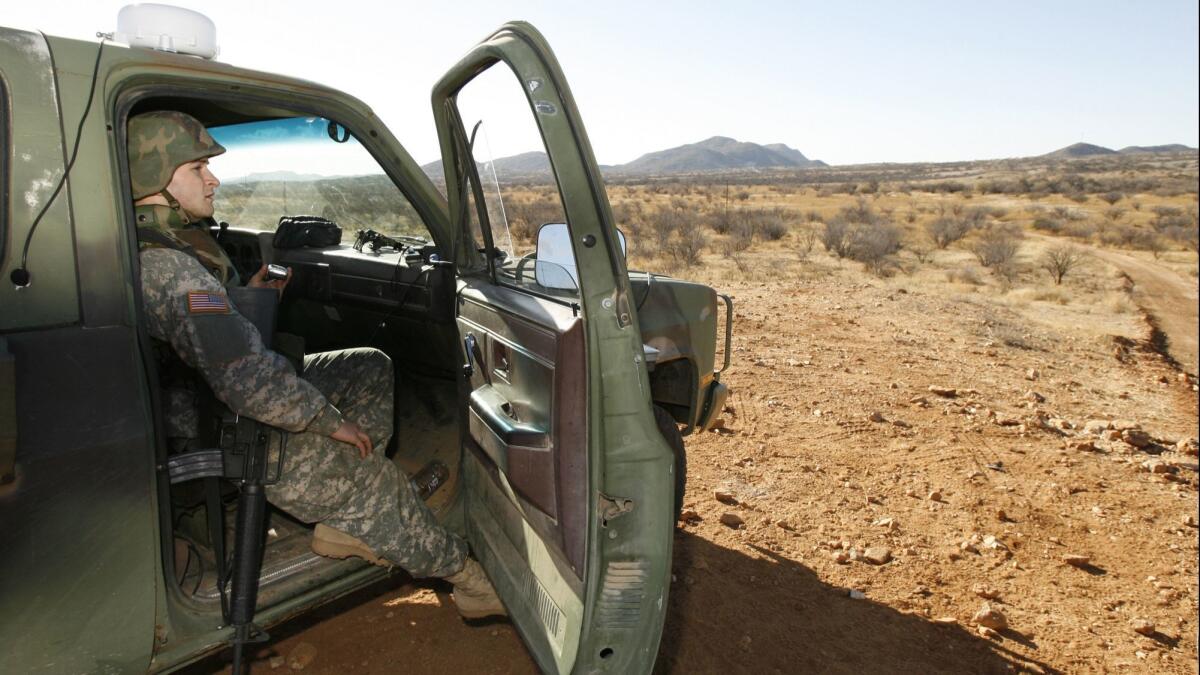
(350,433)
(259,280)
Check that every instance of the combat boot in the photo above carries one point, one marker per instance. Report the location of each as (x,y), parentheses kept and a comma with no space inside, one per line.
(473,593)
(333,543)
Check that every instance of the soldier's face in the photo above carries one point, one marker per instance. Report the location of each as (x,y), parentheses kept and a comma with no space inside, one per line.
(194,185)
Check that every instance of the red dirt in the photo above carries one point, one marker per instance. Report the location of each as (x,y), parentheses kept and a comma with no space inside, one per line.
(1012,501)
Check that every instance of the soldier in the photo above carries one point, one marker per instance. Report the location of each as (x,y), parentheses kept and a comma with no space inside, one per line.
(337,412)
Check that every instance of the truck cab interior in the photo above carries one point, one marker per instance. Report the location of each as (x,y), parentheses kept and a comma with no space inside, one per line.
(388,293)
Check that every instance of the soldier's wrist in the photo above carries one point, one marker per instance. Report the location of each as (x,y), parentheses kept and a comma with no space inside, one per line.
(328,421)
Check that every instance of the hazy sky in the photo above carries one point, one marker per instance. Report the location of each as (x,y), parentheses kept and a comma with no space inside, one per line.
(843,82)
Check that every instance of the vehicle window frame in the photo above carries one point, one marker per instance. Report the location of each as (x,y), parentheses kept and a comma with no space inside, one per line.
(296,103)
(5,151)
(476,186)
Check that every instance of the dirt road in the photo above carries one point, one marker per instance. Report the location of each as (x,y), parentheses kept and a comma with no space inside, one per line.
(1168,297)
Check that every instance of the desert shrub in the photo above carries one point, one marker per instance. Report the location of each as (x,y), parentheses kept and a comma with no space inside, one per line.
(873,245)
(806,239)
(1188,237)
(525,216)
(968,274)
(946,186)
(1078,197)
(1173,191)
(1114,213)
(859,212)
(663,221)
(921,248)
(834,237)
(688,243)
(976,216)
(1112,197)
(1126,236)
(1117,235)
(1153,242)
(741,236)
(1163,211)
(812,216)
(869,188)
(721,220)
(944,230)
(1166,221)
(772,228)
(996,247)
(1059,261)
(1047,225)
(1079,230)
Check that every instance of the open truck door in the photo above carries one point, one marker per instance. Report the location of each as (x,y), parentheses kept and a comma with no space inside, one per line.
(568,483)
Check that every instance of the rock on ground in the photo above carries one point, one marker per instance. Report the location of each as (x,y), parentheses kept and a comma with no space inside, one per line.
(1143,626)
(990,617)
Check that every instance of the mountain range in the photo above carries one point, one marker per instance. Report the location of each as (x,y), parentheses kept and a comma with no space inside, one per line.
(721,153)
(718,153)
(1088,150)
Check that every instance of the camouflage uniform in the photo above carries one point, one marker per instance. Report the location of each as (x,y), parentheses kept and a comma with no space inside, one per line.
(184,274)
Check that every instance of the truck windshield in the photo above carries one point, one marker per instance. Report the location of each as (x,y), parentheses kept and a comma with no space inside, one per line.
(306,166)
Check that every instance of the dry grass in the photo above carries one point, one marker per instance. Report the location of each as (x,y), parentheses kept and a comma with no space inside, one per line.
(761,227)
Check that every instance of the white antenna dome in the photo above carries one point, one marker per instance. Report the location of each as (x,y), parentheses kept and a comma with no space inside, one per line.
(167,28)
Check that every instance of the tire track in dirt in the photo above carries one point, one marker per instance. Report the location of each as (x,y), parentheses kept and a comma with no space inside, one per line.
(1170,300)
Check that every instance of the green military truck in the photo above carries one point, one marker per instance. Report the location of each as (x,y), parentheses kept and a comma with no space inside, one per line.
(549,384)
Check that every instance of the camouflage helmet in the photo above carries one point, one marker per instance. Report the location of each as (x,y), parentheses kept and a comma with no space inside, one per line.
(159,142)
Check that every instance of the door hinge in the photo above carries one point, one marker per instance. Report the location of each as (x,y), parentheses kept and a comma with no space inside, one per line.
(614,507)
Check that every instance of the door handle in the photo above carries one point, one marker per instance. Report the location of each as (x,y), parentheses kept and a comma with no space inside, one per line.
(474,358)
(501,418)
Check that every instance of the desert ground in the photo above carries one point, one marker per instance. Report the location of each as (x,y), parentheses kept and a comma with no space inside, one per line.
(928,463)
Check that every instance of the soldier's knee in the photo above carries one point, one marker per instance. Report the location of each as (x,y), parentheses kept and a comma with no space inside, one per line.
(380,360)
(371,360)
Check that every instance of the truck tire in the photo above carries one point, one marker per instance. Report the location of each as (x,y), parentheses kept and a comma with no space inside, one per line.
(670,433)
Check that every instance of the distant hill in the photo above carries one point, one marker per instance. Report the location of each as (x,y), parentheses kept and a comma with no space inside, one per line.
(531,163)
(1080,150)
(1155,149)
(276,176)
(716,154)
(1089,150)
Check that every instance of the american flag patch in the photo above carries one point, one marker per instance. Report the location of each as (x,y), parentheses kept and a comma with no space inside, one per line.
(201,302)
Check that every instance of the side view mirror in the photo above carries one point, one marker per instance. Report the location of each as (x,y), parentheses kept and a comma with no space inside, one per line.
(555,266)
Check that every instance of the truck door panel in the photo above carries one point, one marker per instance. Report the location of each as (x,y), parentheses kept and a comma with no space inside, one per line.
(525,413)
(582,561)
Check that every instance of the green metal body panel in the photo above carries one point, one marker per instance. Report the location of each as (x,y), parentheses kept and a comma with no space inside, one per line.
(35,164)
(679,321)
(84,518)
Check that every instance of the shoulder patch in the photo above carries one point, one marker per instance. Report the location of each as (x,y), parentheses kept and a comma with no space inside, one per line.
(204,302)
